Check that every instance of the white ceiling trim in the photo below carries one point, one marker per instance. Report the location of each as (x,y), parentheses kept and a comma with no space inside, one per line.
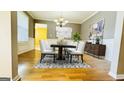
(89,17)
(53,20)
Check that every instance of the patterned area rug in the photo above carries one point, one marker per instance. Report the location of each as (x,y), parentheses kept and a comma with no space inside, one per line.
(47,62)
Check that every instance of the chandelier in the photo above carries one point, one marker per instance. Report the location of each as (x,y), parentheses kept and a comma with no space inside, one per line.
(61,22)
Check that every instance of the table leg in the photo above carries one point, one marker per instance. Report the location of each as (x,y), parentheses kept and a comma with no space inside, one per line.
(60,53)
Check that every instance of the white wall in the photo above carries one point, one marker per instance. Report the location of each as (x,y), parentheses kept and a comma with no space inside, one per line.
(116,44)
(26,46)
(109,49)
(5,45)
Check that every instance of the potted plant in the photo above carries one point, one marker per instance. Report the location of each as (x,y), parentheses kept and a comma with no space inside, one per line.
(76,38)
(98,38)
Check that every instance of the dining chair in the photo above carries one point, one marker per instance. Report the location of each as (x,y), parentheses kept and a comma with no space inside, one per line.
(79,51)
(69,42)
(46,50)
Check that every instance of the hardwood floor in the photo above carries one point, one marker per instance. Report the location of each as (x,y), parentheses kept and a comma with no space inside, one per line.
(98,71)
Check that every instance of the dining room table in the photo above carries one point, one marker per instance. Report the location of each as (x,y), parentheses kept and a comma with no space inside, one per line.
(60,49)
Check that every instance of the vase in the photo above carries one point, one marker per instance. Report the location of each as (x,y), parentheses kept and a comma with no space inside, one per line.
(97,42)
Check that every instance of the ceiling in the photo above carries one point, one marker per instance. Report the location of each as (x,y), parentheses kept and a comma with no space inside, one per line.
(72,16)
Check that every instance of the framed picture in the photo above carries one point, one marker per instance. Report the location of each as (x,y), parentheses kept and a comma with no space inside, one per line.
(64,32)
(97,30)
(99,26)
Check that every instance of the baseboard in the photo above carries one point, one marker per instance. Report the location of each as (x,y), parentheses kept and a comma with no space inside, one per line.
(4,79)
(120,76)
(17,78)
(112,75)
(117,77)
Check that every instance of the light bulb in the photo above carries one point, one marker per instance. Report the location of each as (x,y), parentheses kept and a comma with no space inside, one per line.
(66,21)
(61,19)
(58,23)
(56,20)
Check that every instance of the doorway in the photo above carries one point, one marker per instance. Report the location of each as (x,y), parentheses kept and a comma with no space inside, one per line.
(40,34)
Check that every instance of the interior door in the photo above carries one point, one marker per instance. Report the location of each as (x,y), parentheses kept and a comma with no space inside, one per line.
(40,34)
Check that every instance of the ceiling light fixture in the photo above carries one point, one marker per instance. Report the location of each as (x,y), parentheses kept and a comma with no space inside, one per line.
(61,22)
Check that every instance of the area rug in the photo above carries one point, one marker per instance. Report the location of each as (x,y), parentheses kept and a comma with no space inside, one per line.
(47,62)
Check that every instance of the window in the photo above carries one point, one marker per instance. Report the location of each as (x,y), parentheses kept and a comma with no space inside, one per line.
(22,26)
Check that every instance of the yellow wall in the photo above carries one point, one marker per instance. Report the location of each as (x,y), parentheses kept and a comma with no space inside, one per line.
(40,34)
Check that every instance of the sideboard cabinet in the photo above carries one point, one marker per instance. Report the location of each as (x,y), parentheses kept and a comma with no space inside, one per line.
(95,49)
